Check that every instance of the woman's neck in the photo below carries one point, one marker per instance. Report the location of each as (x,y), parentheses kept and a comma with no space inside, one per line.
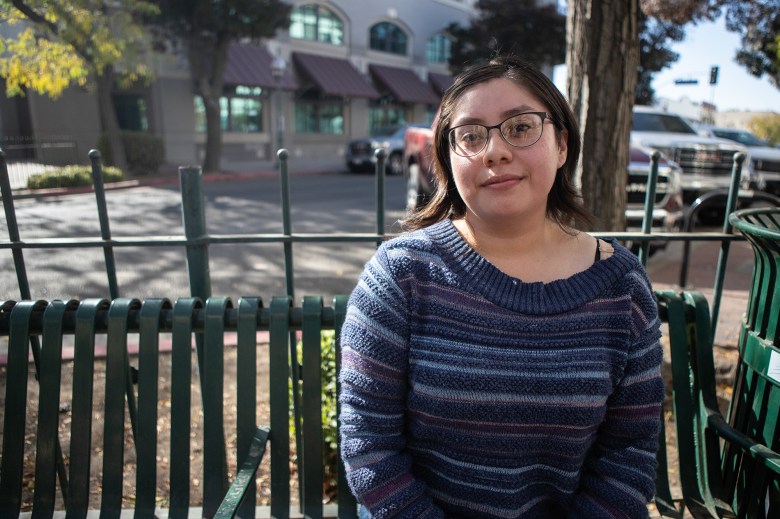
(543,251)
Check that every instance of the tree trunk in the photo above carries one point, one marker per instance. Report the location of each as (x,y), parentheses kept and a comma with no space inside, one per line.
(207,62)
(108,120)
(602,58)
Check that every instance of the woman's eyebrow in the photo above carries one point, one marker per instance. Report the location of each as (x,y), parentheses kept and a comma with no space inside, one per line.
(504,115)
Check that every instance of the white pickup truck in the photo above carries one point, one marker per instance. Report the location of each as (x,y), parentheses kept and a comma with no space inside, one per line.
(706,162)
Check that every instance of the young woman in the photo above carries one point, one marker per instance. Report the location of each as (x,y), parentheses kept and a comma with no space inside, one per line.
(497,361)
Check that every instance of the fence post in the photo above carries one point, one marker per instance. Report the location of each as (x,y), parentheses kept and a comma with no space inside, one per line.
(283,155)
(381,156)
(113,284)
(105,230)
(723,256)
(194,220)
(647,222)
(24,290)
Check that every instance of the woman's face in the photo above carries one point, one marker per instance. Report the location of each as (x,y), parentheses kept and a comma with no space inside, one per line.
(502,183)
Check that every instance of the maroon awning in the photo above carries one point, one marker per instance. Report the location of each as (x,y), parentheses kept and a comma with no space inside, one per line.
(404,85)
(334,76)
(250,64)
(440,82)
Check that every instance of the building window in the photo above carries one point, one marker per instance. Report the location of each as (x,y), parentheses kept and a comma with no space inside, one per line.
(384,115)
(131,112)
(315,115)
(438,49)
(388,37)
(240,111)
(317,23)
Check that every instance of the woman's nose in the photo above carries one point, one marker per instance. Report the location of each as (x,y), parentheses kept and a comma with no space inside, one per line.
(496,148)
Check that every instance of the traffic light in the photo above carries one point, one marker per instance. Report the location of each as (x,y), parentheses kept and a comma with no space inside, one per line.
(714,75)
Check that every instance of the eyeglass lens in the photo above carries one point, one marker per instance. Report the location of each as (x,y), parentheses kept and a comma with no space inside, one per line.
(520,130)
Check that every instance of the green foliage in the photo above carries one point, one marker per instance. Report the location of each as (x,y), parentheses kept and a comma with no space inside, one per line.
(759,45)
(72,176)
(145,152)
(72,40)
(767,127)
(329,407)
(655,53)
(521,27)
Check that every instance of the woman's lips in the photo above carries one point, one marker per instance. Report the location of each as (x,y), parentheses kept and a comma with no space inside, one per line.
(499,181)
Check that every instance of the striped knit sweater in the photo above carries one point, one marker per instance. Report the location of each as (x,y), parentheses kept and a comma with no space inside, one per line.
(468,393)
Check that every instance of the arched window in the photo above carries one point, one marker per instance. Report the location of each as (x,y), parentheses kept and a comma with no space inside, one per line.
(316,23)
(388,37)
(438,49)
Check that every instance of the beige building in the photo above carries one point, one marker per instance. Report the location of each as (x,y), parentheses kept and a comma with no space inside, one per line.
(343,69)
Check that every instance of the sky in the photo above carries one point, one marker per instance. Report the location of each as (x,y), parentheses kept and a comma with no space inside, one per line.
(706,45)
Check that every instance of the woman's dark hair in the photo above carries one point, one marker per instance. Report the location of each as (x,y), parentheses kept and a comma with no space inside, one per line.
(564,204)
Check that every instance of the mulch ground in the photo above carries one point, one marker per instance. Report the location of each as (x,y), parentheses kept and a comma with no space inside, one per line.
(163,431)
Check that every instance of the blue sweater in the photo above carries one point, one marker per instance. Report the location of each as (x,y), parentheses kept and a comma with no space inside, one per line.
(468,393)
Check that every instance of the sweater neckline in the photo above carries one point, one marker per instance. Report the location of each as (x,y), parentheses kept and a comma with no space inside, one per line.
(480,276)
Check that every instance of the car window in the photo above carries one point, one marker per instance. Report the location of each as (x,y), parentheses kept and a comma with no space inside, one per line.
(649,122)
(746,138)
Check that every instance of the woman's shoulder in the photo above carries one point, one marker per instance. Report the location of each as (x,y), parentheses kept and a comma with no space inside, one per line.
(415,241)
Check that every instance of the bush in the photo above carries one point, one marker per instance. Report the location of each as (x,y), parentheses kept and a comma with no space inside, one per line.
(329,417)
(145,152)
(72,176)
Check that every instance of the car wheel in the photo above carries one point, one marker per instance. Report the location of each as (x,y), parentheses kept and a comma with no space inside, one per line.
(395,164)
(712,216)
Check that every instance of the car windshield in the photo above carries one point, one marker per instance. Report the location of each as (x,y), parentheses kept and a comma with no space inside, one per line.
(650,122)
(746,138)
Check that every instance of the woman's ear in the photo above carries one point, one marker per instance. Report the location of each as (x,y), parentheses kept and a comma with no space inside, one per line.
(563,147)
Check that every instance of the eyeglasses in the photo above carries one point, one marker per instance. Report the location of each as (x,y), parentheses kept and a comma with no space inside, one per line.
(520,131)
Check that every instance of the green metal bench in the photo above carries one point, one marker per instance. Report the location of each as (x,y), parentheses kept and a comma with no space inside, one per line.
(729,466)
(186,319)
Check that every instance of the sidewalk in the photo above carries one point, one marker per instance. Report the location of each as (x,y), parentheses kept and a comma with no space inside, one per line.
(231,172)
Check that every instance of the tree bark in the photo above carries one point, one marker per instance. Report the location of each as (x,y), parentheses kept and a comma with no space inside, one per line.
(208,59)
(108,120)
(602,58)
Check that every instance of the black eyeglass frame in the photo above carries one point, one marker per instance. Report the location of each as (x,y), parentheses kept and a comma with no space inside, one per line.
(453,147)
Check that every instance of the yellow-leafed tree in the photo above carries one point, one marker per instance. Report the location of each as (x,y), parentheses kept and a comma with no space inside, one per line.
(50,45)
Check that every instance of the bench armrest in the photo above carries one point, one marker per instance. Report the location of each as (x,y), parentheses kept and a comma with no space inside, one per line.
(235,494)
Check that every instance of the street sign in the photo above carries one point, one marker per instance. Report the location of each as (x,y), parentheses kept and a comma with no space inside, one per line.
(686,81)
(714,75)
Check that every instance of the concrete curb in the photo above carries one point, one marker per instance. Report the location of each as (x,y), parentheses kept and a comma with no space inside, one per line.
(168,180)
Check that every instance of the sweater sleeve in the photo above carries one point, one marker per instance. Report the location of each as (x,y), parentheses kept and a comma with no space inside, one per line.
(375,343)
(618,476)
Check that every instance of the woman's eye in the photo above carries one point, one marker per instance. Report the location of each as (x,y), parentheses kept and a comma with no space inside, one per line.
(518,129)
(471,138)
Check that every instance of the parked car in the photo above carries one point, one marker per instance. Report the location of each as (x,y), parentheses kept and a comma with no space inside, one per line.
(360,153)
(668,203)
(765,158)
(706,162)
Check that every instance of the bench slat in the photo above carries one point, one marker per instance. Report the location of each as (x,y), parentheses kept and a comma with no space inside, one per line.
(246,398)
(311,457)
(15,406)
(114,407)
(47,452)
(148,377)
(278,368)
(181,373)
